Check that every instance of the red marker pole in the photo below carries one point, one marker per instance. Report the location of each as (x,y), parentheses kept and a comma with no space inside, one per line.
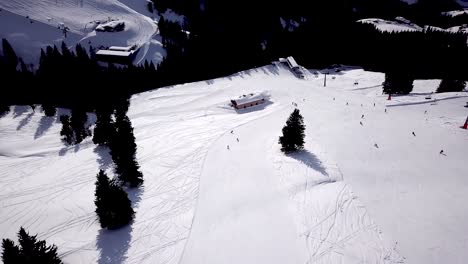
(389,97)
(465,126)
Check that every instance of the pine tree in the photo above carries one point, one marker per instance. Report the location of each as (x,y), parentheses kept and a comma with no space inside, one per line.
(449,85)
(104,126)
(49,109)
(9,56)
(123,151)
(11,252)
(113,207)
(67,131)
(397,83)
(293,133)
(4,109)
(30,251)
(78,124)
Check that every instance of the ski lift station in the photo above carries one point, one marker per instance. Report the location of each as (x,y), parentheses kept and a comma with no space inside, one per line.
(293,66)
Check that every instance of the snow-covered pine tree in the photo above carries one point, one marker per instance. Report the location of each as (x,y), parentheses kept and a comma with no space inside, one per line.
(449,85)
(293,133)
(113,207)
(30,250)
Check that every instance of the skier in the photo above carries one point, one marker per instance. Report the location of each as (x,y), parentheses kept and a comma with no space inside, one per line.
(385,110)
(237,139)
(346,103)
(374,104)
(375,145)
(232,131)
(362,116)
(414,134)
(228,147)
(425,112)
(360,123)
(441,152)
(333,98)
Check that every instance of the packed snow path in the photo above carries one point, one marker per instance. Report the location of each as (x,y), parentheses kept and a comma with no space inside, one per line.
(372,193)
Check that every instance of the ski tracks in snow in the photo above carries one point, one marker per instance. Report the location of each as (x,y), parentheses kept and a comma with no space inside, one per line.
(335,226)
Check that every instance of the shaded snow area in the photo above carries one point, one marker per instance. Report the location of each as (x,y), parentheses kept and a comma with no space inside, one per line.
(31,25)
(219,190)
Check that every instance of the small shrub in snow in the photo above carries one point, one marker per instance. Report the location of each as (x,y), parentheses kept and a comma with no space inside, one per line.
(293,133)
(29,251)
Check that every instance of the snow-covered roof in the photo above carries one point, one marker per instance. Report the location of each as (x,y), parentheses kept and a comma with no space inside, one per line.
(248,98)
(462,29)
(114,53)
(117,48)
(455,13)
(391,26)
(292,62)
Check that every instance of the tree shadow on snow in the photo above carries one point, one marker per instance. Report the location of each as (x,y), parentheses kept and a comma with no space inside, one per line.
(44,124)
(273,69)
(310,160)
(104,157)
(19,110)
(134,194)
(25,121)
(113,244)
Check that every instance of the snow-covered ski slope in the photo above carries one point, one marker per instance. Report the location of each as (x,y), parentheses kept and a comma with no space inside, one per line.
(370,193)
(78,15)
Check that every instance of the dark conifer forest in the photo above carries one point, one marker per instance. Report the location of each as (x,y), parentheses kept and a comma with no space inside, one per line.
(216,41)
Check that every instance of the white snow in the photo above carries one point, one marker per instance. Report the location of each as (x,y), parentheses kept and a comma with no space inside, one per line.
(81,17)
(455,13)
(391,26)
(114,53)
(174,17)
(341,200)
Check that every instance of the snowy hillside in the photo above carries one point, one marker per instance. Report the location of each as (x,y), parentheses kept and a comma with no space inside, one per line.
(30,25)
(358,193)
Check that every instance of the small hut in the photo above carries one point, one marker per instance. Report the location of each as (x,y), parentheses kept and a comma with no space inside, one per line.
(248,100)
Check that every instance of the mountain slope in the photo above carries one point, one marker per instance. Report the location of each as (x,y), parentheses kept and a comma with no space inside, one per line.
(370,193)
(79,17)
